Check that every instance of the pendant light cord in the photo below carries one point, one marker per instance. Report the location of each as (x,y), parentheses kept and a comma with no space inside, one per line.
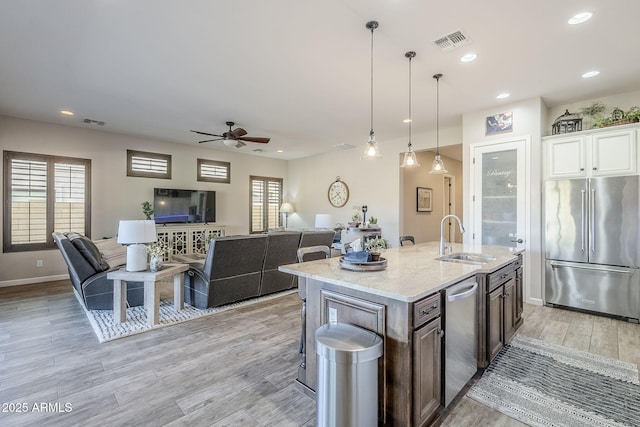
(410,119)
(437,77)
(372,28)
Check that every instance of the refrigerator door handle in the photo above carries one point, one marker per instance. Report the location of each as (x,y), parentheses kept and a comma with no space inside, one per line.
(592,221)
(593,268)
(583,224)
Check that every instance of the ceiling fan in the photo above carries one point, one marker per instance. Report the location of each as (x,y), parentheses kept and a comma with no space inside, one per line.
(234,137)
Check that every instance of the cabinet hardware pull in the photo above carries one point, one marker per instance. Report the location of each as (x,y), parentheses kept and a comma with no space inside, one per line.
(503,275)
(441,333)
(425,312)
(506,295)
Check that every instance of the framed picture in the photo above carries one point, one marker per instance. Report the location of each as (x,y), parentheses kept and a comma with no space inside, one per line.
(499,123)
(424,199)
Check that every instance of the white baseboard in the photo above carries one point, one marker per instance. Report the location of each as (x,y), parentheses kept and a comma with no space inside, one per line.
(534,301)
(32,280)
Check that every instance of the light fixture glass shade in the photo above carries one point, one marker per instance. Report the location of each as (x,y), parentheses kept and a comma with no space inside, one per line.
(134,234)
(438,165)
(286,208)
(323,221)
(410,160)
(371,151)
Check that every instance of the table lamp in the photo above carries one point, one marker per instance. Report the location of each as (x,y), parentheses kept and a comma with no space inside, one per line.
(134,234)
(323,221)
(286,209)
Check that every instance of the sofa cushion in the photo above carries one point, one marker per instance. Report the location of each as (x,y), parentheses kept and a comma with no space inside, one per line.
(89,251)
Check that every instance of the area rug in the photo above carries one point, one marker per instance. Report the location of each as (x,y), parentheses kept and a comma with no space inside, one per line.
(544,384)
(107,330)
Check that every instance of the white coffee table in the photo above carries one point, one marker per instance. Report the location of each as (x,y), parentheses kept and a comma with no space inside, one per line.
(151,294)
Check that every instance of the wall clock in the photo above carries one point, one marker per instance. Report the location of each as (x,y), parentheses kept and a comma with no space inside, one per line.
(338,193)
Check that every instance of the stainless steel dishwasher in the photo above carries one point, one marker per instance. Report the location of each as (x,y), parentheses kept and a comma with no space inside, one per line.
(460,337)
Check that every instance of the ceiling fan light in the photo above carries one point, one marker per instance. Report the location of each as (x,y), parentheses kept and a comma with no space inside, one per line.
(438,166)
(229,142)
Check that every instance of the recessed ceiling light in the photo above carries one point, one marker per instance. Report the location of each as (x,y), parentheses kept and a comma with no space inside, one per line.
(407,121)
(280,151)
(469,57)
(579,18)
(591,74)
(66,112)
(503,95)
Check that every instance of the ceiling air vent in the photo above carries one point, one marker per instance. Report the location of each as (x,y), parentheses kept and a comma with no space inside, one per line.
(343,146)
(451,41)
(93,122)
(258,150)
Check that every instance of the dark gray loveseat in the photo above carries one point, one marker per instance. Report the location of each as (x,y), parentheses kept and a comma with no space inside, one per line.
(241,267)
(88,273)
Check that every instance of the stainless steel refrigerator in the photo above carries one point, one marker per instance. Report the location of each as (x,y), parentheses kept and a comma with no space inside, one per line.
(592,244)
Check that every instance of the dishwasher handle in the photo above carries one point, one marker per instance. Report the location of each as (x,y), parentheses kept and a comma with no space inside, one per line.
(461,291)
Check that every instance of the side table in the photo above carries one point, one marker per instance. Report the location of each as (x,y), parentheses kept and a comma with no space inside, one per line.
(151,294)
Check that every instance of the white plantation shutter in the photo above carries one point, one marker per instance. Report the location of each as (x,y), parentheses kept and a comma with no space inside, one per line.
(266,198)
(45,194)
(70,196)
(214,171)
(148,165)
(28,198)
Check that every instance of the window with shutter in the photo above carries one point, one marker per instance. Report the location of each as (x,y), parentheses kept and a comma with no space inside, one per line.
(214,171)
(148,165)
(44,194)
(266,198)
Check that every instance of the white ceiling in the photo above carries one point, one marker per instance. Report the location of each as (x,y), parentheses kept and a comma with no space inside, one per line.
(299,71)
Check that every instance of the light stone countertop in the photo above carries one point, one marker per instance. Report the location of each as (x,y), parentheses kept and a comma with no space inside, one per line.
(412,272)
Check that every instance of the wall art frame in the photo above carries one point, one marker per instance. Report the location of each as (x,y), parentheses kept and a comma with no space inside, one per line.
(424,199)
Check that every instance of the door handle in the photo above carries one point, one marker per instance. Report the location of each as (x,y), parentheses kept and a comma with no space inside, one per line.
(592,221)
(582,224)
(517,241)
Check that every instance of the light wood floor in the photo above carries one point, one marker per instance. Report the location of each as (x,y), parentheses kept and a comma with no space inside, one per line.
(233,368)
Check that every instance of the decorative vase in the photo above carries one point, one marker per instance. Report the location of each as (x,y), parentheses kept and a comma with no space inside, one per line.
(155,264)
(375,256)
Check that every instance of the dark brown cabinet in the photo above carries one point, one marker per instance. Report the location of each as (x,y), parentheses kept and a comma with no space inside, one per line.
(427,379)
(503,309)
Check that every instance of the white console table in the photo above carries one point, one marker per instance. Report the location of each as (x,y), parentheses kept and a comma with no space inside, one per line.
(187,239)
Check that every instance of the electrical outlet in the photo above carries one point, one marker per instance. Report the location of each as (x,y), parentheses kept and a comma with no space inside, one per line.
(39,263)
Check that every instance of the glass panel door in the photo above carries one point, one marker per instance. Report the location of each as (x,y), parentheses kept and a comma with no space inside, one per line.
(499,217)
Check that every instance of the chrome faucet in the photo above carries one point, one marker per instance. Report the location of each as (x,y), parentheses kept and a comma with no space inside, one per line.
(443,245)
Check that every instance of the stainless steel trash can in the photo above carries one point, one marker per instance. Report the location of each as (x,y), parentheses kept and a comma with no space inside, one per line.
(347,392)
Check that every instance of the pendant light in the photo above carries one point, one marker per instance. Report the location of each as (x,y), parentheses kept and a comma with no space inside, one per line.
(438,165)
(371,151)
(410,160)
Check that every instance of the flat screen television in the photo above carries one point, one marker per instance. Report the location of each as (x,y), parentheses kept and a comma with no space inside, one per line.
(172,206)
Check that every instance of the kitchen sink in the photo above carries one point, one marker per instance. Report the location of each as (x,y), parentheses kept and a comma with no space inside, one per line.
(467,258)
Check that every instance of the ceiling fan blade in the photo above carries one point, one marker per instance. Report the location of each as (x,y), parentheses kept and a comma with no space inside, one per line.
(209,140)
(240,144)
(238,132)
(255,139)
(204,133)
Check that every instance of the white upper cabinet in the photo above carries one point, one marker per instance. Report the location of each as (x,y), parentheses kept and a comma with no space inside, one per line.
(613,153)
(566,157)
(598,153)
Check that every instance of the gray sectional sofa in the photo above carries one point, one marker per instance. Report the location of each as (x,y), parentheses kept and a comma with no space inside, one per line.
(88,273)
(241,267)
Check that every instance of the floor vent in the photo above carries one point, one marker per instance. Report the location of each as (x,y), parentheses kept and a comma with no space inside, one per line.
(93,122)
(451,41)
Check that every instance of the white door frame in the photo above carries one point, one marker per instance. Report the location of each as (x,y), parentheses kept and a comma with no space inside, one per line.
(526,140)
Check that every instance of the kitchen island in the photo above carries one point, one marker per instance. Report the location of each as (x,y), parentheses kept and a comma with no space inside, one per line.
(403,304)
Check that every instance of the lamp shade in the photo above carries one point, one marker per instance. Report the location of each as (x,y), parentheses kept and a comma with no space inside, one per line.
(286,208)
(136,231)
(323,221)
